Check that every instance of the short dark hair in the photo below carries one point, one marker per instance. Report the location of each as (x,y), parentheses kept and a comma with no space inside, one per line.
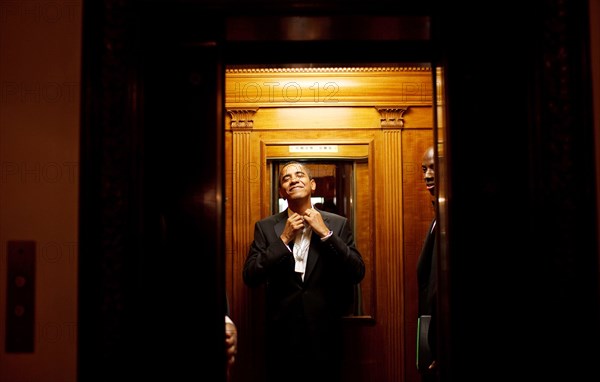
(296,163)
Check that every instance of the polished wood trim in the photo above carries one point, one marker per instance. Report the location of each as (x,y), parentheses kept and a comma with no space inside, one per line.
(332,87)
(332,148)
(389,212)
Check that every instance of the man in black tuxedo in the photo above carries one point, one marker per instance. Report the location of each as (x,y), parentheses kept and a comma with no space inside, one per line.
(310,264)
(427,284)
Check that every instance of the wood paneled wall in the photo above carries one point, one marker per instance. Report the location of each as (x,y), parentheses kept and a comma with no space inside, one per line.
(381,114)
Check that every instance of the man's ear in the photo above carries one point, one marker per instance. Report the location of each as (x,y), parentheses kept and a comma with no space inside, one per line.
(313,184)
(281,193)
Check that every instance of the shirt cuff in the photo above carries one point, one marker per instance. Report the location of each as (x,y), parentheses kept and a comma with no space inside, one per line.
(327,236)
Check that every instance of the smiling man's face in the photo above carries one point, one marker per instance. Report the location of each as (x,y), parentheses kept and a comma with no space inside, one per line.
(295,183)
(428,169)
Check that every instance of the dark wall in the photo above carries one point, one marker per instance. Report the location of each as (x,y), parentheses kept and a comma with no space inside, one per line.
(152,294)
(523,258)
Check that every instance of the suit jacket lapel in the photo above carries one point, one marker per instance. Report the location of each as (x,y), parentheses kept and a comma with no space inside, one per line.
(313,254)
(280,222)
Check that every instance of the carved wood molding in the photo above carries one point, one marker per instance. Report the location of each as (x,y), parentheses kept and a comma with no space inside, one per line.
(390,253)
(242,118)
(392,117)
(329,70)
(331,87)
(243,189)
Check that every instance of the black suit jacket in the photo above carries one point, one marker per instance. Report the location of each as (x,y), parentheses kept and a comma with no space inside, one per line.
(304,313)
(427,284)
(427,273)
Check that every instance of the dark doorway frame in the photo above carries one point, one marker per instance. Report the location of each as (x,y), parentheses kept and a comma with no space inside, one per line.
(126,43)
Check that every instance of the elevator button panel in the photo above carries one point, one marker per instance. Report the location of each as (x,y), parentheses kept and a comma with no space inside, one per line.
(20,296)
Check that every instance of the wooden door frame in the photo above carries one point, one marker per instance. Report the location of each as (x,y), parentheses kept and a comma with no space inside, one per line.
(372,126)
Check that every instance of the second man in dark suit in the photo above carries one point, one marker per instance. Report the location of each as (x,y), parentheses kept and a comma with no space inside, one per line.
(428,285)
